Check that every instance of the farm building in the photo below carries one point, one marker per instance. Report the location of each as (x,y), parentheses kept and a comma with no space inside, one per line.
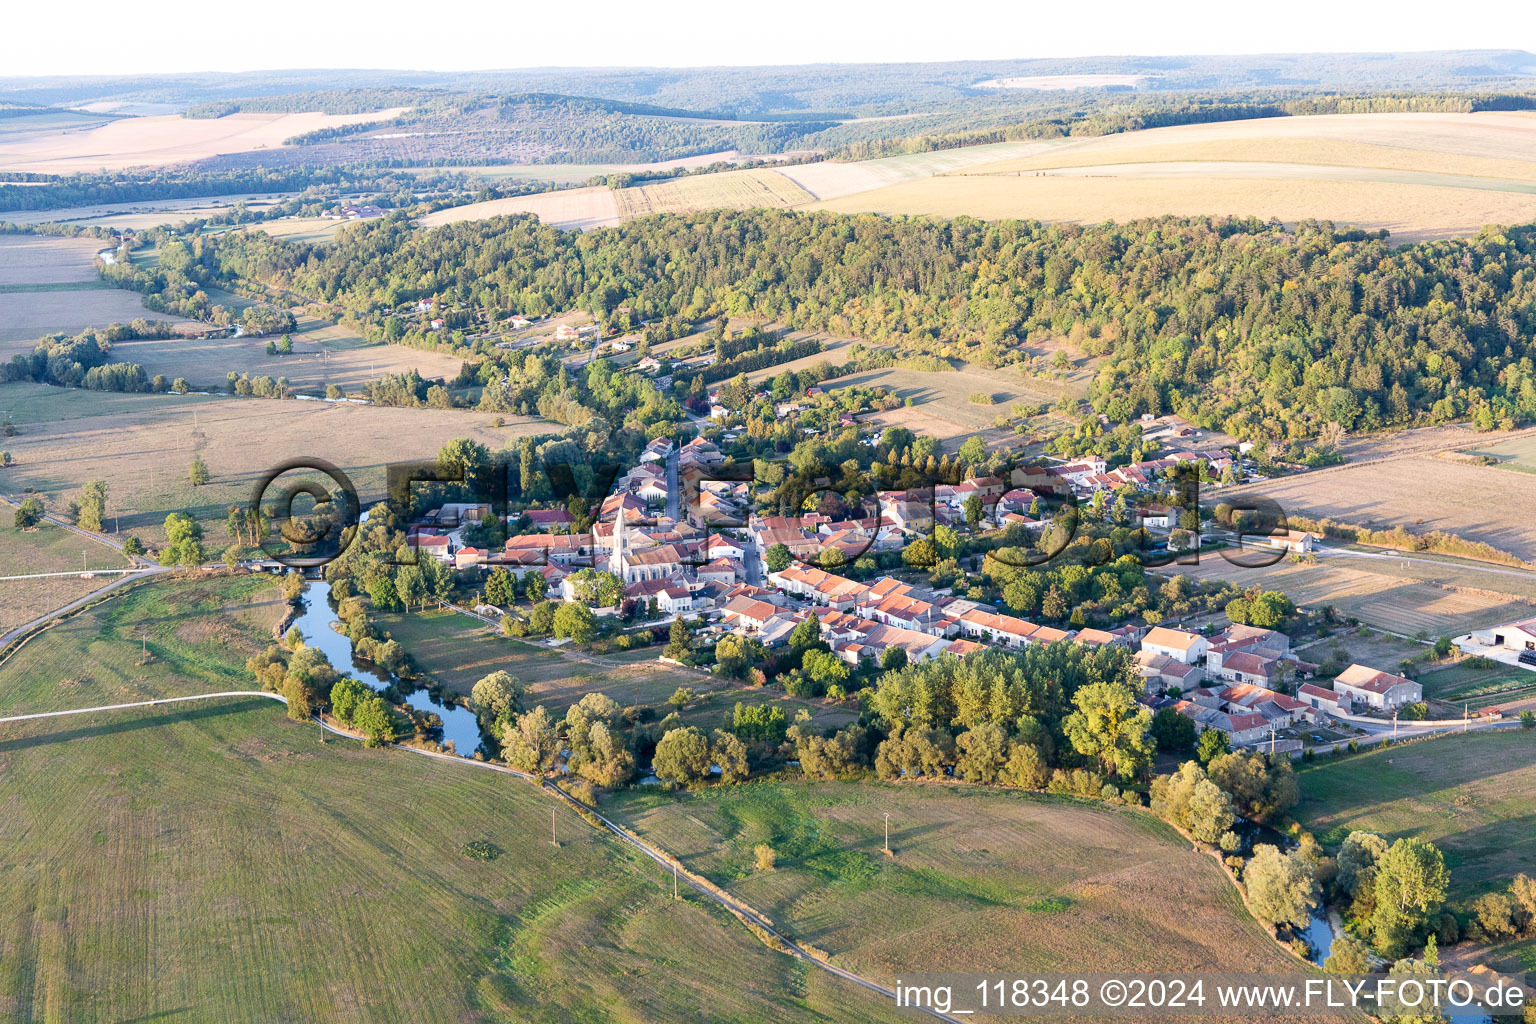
(1516,636)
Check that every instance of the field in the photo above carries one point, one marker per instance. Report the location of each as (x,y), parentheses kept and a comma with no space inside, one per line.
(49,548)
(1463,685)
(729,190)
(942,403)
(165,863)
(1417,175)
(457,652)
(323,353)
(796,185)
(197,632)
(567,208)
(1419,492)
(141,445)
(982,880)
(1517,454)
(160,141)
(50,284)
(138,215)
(1366,589)
(829,180)
(1474,796)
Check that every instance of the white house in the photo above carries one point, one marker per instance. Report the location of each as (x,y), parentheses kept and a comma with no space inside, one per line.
(1189,648)
(1296,542)
(1378,689)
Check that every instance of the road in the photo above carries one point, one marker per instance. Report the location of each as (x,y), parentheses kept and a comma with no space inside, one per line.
(654,853)
(100,538)
(121,581)
(674,498)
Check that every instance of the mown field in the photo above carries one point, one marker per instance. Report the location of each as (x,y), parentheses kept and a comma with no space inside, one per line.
(942,403)
(729,190)
(457,652)
(221,863)
(981,880)
(1472,795)
(50,284)
(567,208)
(1367,589)
(142,446)
(323,353)
(48,548)
(1417,175)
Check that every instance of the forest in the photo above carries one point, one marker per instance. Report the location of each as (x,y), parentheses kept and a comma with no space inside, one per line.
(1236,324)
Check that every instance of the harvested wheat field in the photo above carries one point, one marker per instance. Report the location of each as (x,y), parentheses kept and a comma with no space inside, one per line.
(27,316)
(1391,594)
(584,208)
(981,880)
(1409,212)
(142,446)
(1419,492)
(50,284)
(1497,145)
(831,179)
(162,141)
(1418,176)
(40,259)
(727,190)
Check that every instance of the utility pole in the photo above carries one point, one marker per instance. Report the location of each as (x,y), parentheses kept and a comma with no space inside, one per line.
(1394,726)
(552,840)
(674,881)
(1465,714)
(887,834)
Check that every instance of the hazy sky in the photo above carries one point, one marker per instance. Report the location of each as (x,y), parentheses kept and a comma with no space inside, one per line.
(113,37)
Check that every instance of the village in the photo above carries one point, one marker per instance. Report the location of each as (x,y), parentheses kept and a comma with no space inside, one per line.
(679,543)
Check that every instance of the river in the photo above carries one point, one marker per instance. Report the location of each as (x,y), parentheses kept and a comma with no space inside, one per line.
(315,619)
(1320,931)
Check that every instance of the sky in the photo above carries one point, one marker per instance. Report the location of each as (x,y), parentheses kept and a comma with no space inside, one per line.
(112,37)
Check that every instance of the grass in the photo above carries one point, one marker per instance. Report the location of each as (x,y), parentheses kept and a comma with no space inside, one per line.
(1472,795)
(945,397)
(197,632)
(221,864)
(48,548)
(162,140)
(1518,454)
(1383,593)
(981,879)
(142,445)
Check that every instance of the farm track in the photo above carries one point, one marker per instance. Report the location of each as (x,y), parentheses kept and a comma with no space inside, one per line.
(757,922)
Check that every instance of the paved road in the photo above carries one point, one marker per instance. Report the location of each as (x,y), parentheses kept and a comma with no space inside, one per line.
(121,581)
(656,854)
